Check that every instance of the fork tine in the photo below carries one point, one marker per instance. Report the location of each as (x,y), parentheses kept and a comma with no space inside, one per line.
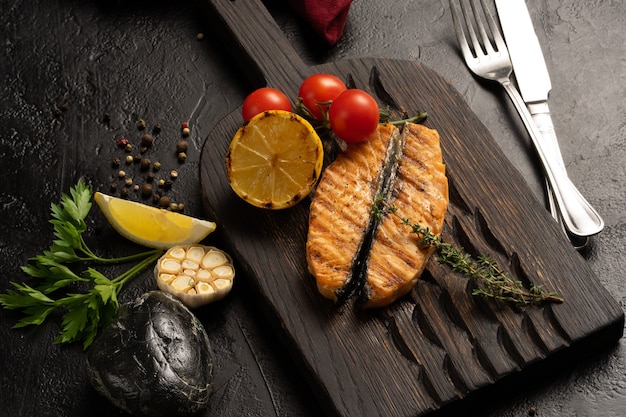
(487,47)
(460,34)
(495,30)
(472,19)
(485,41)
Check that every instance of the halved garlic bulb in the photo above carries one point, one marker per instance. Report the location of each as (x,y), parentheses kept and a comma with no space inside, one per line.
(195,274)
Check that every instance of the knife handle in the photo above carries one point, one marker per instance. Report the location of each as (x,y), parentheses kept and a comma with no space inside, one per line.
(579,216)
(540,113)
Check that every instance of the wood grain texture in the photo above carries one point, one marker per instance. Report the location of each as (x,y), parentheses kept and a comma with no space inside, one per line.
(439,344)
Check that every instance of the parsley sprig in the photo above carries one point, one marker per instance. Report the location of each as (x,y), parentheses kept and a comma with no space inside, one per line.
(490,280)
(85,313)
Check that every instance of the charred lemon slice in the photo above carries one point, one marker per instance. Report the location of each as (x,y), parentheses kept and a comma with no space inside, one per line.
(195,274)
(150,226)
(274,160)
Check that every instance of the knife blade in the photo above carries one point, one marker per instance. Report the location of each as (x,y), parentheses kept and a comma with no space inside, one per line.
(531,75)
(531,72)
(529,66)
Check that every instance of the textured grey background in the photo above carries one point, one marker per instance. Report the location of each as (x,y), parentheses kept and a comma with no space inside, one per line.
(141,59)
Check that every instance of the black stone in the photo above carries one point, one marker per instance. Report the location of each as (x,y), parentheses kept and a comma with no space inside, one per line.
(154,360)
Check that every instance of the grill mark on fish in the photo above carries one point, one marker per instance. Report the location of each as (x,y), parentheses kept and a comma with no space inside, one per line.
(385,182)
(340,214)
(419,193)
(351,251)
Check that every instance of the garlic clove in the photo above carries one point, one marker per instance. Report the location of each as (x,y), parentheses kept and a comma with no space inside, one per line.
(204,275)
(204,288)
(187,264)
(182,283)
(222,284)
(224,271)
(177,252)
(214,259)
(166,277)
(195,254)
(170,266)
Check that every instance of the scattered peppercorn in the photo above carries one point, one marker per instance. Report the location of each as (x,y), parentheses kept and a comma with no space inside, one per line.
(164,201)
(182,146)
(145,164)
(64,107)
(532,411)
(146,190)
(106,118)
(147,140)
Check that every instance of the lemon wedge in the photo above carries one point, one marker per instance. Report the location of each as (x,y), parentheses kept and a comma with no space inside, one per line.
(151,226)
(274,160)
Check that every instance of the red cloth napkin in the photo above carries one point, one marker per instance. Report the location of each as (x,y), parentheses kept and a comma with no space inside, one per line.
(326,17)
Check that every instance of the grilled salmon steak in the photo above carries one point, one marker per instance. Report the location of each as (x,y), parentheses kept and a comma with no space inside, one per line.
(350,251)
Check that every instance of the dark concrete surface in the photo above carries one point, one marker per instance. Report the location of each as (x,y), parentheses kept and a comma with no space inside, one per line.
(141,60)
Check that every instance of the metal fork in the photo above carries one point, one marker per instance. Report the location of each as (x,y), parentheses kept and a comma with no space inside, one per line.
(488,58)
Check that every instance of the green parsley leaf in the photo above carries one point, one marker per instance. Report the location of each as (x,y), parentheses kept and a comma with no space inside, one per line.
(84,314)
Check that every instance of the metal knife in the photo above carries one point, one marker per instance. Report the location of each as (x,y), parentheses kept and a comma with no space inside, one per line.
(531,74)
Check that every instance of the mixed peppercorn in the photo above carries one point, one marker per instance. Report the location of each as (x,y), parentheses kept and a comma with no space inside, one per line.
(152,183)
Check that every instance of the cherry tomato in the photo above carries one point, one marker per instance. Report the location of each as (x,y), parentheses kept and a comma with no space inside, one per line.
(264,99)
(354,115)
(320,88)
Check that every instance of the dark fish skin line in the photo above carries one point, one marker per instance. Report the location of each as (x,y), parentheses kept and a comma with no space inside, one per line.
(354,285)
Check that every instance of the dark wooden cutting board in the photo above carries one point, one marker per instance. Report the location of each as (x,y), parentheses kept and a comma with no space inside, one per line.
(439,344)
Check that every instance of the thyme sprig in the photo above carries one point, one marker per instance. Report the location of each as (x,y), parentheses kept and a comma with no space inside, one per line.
(85,313)
(419,117)
(490,280)
(322,126)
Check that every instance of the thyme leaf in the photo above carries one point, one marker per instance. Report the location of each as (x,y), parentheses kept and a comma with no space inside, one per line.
(323,126)
(490,280)
(84,313)
(385,117)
